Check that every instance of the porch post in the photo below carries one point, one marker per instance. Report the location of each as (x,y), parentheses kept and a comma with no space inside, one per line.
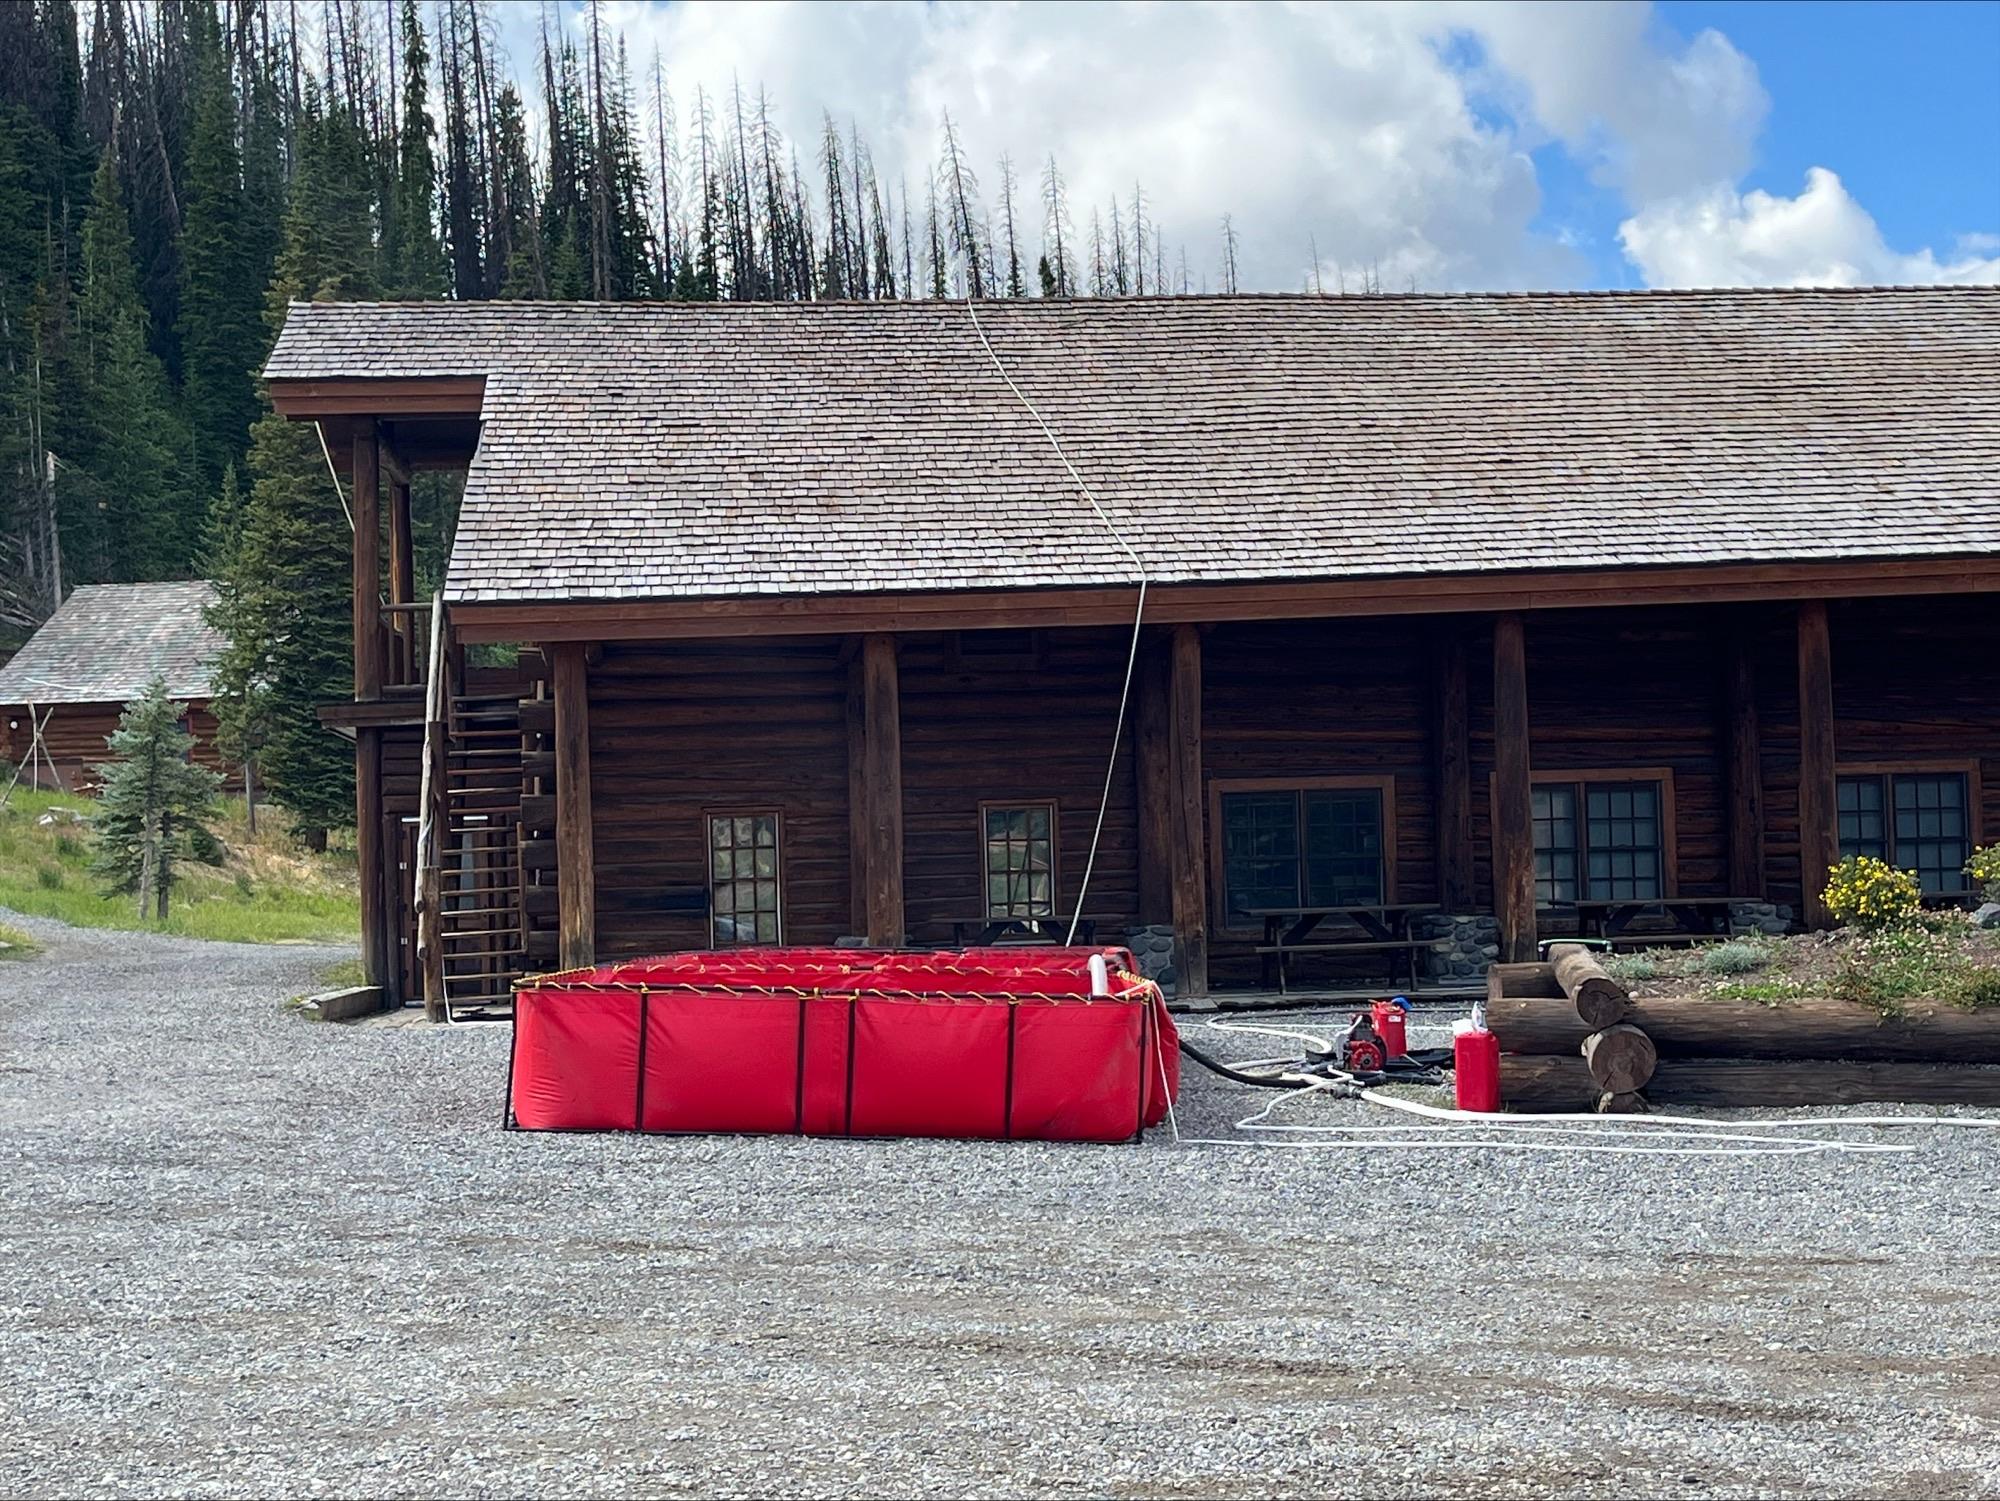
(370,861)
(857,795)
(882,760)
(1190,867)
(1153,773)
(1513,794)
(1819,835)
(402,582)
(1744,753)
(1454,770)
(576,876)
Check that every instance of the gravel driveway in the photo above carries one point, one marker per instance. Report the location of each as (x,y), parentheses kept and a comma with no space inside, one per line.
(248,1254)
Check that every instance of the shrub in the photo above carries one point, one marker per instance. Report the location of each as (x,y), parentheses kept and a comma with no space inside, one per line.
(1872,894)
(49,877)
(1731,959)
(1631,967)
(1984,868)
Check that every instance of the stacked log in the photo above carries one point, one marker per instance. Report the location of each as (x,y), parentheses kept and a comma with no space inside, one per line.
(1572,1038)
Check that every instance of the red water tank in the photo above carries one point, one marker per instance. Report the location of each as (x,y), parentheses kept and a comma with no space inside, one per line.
(1475,1056)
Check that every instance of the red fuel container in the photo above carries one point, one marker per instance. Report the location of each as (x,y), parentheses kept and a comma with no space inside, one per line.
(1475,1055)
(1391,1023)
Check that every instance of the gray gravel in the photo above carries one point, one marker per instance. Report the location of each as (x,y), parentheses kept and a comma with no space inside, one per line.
(248,1254)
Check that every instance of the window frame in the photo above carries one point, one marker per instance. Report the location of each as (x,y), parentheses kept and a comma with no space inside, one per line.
(1582,779)
(708,817)
(1887,771)
(1055,853)
(1218,864)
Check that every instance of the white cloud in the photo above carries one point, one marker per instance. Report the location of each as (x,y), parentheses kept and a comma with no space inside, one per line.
(1395,135)
(1821,238)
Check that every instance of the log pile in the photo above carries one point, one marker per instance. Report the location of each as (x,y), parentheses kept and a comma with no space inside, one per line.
(1573,1038)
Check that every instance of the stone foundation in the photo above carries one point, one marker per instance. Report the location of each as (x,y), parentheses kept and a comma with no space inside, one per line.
(1461,946)
(1748,919)
(1153,947)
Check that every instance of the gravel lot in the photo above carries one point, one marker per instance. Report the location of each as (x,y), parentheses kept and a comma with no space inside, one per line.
(246,1254)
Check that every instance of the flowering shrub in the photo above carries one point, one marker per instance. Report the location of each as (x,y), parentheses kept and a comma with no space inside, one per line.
(1871,893)
(1984,868)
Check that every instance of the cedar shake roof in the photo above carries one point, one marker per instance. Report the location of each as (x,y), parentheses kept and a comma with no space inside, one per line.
(109,640)
(635,451)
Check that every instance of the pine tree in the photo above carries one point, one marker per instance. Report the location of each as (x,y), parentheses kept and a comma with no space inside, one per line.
(414,264)
(155,800)
(221,331)
(131,443)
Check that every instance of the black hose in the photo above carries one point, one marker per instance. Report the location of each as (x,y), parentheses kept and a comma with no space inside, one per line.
(1216,1066)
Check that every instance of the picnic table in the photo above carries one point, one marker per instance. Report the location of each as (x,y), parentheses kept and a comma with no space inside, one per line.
(1024,930)
(1698,916)
(1385,929)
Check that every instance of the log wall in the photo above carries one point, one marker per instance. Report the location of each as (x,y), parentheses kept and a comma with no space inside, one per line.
(76,735)
(678,729)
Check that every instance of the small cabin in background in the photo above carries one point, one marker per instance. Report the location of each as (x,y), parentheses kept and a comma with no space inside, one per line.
(75,675)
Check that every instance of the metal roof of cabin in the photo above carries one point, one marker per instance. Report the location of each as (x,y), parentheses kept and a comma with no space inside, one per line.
(108,641)
(634,451)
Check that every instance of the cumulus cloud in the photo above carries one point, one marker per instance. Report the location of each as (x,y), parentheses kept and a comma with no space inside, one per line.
(1821,238)
(1394,137)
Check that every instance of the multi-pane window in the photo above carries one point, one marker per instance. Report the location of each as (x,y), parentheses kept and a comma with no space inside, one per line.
(1920,821)
(1019,844)
(1309,847)
(743,902)
(1614,850)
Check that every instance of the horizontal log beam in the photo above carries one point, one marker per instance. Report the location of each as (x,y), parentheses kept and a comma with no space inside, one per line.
(1708,1027)
(1441,594)
(1564,1084)
(402,396)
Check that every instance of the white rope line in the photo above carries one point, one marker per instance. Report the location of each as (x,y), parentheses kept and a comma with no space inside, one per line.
(334,475)
(1138,615)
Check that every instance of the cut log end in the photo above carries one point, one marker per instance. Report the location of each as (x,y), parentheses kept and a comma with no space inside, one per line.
(1622,1104)
(1621,1058)
(1600,1001)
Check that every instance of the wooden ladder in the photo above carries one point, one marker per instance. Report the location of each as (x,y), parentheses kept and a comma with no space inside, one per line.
(482,930)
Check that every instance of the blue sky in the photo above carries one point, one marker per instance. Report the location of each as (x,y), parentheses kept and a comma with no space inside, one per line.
(1901,100)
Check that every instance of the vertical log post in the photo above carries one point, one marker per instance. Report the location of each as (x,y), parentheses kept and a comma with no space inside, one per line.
(576,874)
(857,796)
(1819,841)
(882,759)
(1152,753)
(402,583)
(1513,794)
(1744,751)
(1454,771)
(1190,881)
(365,501)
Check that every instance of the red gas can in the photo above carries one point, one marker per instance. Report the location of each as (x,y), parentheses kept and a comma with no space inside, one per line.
(1475,1056)
(1390,1022)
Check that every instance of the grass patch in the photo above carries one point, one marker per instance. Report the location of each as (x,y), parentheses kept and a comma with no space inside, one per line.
(14,944)
(1733,958)
(343,976)
(1930,959)
(1631,967)
(267,890)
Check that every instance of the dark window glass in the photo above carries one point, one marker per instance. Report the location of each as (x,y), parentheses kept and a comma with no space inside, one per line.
(1862,830)
(1919,821)
(1320,847)
(1614,852)
(1020,861)
(1555,844)
(743,879)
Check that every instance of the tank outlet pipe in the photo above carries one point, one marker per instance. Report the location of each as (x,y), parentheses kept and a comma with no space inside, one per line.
(1100,977)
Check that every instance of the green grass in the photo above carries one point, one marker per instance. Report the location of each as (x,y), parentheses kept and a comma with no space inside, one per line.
(268,889)
(18,944)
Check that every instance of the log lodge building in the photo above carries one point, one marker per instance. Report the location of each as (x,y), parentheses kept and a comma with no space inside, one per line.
(1502,611)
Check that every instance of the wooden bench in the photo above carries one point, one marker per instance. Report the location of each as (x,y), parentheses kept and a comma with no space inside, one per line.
(1397,946)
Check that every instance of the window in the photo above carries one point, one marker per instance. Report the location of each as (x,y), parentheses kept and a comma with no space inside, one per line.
(1301,847)
(1019,844)
(1599,841)
(743,874)
(1919,820)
